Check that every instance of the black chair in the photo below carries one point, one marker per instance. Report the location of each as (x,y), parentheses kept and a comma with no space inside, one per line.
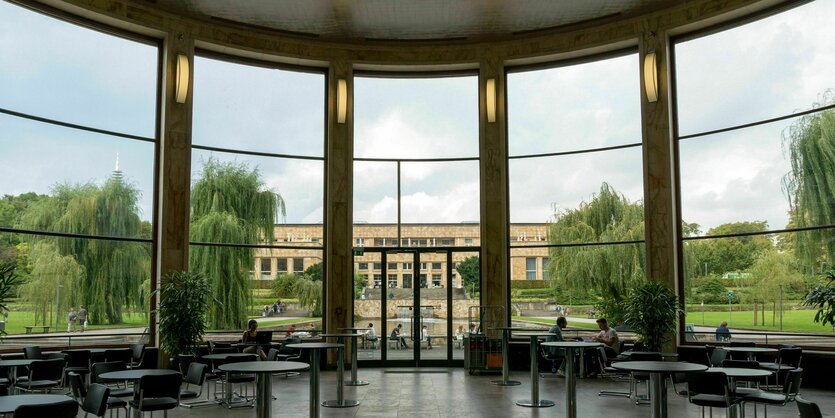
(739,355)
(157,393)
(718,356)
(743,364)
(711,389)
(150,359)
(608,371)
(78,361)
(63,409)
(286,353)
(638,377)
(791,388)
(137,350)
(96,400)
(98,368)
(118,354)
(241,379)
(43,375)
(788,358)
(808,409)
(551,356)
(33,352)
(82,394)
(196,376)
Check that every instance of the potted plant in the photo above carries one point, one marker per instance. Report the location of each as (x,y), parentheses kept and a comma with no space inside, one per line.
(652,311)
(183,308)
(8,281)
(822,297)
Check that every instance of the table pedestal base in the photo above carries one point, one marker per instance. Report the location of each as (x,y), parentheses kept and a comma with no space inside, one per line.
(506,382)
(543,403)
(356,383)
(345,403)
(658,397)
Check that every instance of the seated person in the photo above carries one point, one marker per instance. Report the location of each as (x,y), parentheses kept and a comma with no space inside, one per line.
(424,336)
(395,335)
(370,335)
(609,337)
(290,330)
(723,333)
(554,351)
(249,337)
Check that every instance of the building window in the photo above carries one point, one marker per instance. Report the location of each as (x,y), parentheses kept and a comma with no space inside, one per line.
(378,280)
(446,242)
(363,266)
(436,266)
(545,268)
(423,266)
(360,242)
(407,266)
(530,268)
(423,280)
(266,268)
(298,265)
(282,265)
(379,242)
(378,266)
(392,266)
(407,281)
(392,280)
(436,280)
(468,242)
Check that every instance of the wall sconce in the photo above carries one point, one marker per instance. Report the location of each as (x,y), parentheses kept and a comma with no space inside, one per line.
(341,100)
(651,77)
(183,72)
(490,97)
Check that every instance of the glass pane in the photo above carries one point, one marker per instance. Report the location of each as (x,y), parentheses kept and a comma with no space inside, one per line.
(445,192)
(368,305)
(66,168)
(576,107)
(583,182)
(62,276)
(433,338)
(249,108)
(58,70)
(466,293)
(375,192)
(772,67)
(766,277)
(400,310)
(287,302)
(736,176)
(416,117)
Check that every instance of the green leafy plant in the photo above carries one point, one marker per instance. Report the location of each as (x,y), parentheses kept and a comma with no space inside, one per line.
(652,311)
(822,297)
(185,299)
(8,281)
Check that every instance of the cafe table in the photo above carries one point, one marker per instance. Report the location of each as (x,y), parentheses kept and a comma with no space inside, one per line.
(134,375)
(9,403)
(354,381)
(734,373)
(570,379)
(751,351)
(658,371)
(534,401)
(14,364)
(315,357)
(505,363)
(263,371)
(340,401)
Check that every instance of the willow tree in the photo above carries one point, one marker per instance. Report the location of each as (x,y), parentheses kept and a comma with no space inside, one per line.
(810,185)
(608,270)
(230,204)
(48,271)
(113,270)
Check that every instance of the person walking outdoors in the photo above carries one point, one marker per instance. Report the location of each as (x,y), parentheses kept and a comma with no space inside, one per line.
(72,317)
(82,317)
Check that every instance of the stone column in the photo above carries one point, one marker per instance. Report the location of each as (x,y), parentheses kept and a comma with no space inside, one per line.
(494,190)
(339,273)
(659,179)
(174,165)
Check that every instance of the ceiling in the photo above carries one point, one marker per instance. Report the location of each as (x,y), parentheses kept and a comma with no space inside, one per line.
(351,20)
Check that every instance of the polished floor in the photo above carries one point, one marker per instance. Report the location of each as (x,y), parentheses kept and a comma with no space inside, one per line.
(454,393)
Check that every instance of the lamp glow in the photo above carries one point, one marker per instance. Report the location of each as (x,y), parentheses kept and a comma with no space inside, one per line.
(651,77)
(341,100)
(183,73)
(490,97)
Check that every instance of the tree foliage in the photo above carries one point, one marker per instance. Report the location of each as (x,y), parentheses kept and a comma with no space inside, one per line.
(113,270)
(470,272)
(49,270)
(822,298)
(810,185)
(230,204)
(609,270)
(733,254)
(9,280)
(185,298)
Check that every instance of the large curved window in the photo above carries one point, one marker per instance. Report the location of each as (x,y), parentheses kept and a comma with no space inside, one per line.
(576,187)
(78,126)
(754,106)
(257,193)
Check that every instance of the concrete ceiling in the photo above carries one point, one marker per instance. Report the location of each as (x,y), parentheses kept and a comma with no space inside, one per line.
(352,20)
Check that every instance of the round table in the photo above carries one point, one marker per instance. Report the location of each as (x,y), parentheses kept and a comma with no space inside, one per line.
(340,401)
(738,372)
(534,401)
(9,403)
(223,356)
(658,370)
(627,354)
(14,364)
(263,379)
(354,381)
(570,379)
(314,370)
(752,351)
(505,363)
(91,350)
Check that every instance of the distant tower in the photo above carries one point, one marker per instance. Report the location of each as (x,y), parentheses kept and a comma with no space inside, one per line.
(117,173)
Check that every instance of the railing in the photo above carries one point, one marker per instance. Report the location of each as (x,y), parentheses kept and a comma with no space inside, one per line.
(806,340)
(15,343)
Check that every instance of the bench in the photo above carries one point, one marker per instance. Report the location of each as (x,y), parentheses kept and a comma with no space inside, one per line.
(43,328)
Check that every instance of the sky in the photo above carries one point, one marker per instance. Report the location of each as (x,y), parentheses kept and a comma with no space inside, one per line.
(772,67)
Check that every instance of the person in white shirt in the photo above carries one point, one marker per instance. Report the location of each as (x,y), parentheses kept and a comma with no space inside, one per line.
(370,335)
(424,336)
(608,336)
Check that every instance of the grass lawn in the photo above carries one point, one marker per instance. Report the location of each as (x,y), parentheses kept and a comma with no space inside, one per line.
(544,323)
(795,320)
(17,320)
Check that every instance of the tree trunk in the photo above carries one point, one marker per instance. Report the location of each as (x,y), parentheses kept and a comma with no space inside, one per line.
(762,313)
(773,313)
(755,313)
